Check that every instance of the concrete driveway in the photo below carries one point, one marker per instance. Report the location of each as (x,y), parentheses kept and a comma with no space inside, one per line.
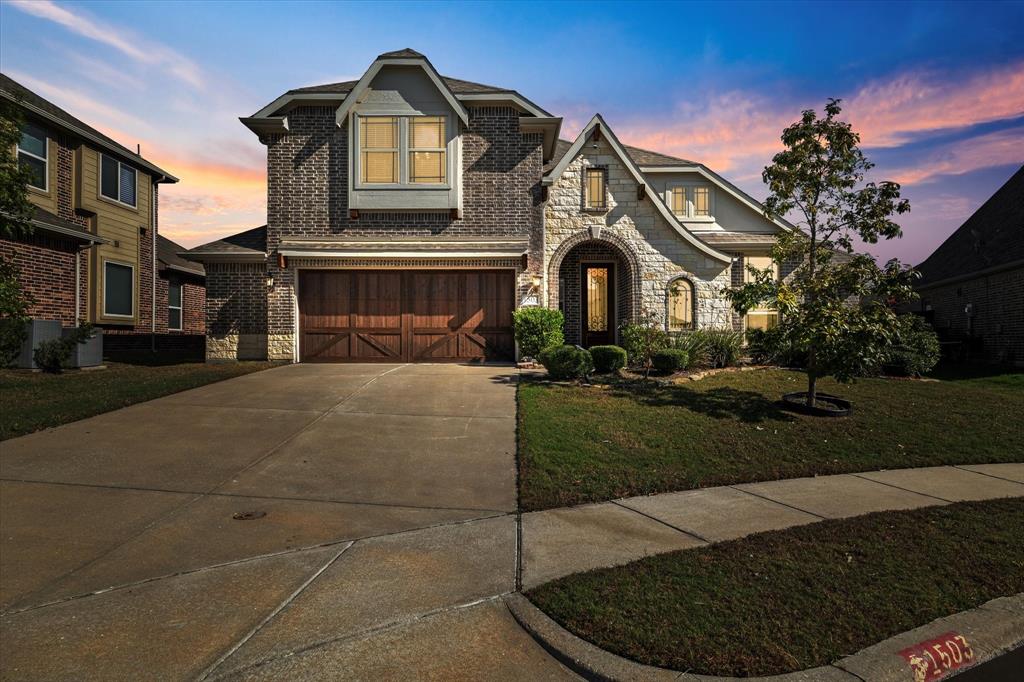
(309,521)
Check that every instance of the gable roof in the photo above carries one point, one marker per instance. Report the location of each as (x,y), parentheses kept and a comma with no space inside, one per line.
(456,85)
(642,157)
(404,57)
(244,246)
(47,110)
(167,252)
(991,238)
(627,161)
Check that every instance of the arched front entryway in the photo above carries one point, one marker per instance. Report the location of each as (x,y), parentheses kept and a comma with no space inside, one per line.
(595,283)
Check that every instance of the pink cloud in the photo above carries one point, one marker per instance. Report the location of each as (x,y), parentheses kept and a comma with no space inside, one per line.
(994,149)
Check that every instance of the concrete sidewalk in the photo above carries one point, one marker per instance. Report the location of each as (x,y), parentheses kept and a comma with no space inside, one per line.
(558,542)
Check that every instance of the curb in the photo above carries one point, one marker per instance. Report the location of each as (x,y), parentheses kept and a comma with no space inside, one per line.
(992,629)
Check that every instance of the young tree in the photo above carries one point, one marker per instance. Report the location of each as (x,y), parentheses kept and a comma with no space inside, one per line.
(836,303)
(15,215)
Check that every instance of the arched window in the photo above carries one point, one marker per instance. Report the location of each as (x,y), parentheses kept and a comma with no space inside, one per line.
(680,305)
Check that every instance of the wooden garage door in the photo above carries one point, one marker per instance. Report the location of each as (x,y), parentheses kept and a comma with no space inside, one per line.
(406,315)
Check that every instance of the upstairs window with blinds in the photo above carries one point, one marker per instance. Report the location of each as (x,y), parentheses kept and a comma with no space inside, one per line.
(400,150)
(378,142)
(33,154)
(595,199)
(117,181)
(691,201)
(427,150)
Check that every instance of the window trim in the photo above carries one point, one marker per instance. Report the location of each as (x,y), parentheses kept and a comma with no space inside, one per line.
(403,152)
(180,307)
(668,304)
(120,316)
(690,202)
(603,171)
(46,162)
(99,174)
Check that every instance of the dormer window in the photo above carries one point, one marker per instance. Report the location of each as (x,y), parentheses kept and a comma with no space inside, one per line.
(378,139)
(403,150)
(690,202)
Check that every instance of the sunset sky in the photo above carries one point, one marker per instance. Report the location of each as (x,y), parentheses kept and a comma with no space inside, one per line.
(936,90)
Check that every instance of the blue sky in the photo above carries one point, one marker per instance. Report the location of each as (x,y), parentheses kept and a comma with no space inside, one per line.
(936,89)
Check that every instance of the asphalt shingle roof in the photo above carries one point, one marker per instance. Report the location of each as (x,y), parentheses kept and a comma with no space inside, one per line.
(993,236)
(641,157)
(167,253)
(252,241)
(457,86)
(19,92)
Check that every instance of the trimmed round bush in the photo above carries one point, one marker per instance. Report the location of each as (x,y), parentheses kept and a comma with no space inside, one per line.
(670,360)
(536,329)
(566,362)
(608,358)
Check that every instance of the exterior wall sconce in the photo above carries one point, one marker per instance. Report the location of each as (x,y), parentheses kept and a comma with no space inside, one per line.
(270,281)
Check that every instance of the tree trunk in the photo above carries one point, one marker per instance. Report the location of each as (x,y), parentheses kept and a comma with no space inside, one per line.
(812,387)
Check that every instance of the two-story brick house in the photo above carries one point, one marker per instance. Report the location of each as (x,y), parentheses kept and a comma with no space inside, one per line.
(95,255)
(410,213)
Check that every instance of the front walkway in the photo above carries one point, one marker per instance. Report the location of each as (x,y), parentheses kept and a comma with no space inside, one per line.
(309,521)
(557,542)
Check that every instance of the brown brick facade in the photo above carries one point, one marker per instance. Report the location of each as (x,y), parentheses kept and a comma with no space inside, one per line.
(46,271)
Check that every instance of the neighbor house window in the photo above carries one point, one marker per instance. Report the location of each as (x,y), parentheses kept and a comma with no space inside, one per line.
(680,305)
(174,306)
(378,141)
(118,289)
(595,189)
(427,150)
(761,318)
(33,154)
(117,180)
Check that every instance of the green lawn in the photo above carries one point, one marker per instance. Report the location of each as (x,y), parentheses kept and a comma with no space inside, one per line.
(582,444)
(30,401)
(798,598)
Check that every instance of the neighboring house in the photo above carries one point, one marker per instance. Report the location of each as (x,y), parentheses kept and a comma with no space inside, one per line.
(95,247)
(972,286)
(409,214)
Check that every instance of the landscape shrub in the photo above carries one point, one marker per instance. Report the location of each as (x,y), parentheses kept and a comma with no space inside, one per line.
(52,355)
(642,339)
(917,351)
(14,303)
(608,358)
(772,347)
(670,360)
(721,348)
(693,343)
(566,362)
(537,328)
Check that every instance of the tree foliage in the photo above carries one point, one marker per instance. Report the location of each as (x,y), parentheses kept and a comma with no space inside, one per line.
(837,303)
(15,208)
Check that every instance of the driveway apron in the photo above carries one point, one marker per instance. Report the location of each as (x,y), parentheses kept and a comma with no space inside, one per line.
(334,521)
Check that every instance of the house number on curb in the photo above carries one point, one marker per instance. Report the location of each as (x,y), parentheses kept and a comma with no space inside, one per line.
(933,659)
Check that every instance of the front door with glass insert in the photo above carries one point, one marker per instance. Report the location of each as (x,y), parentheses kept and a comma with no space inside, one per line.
(596,301)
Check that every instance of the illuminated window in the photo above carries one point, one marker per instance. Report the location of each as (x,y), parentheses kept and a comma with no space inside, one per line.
(680,306)
(427,150)
(679,201)
(378,143)
(760,318)
(701,201)
(595,187)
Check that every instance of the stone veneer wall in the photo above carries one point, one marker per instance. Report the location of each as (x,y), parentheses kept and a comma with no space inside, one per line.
(307,186)
(659,252)
(236,311)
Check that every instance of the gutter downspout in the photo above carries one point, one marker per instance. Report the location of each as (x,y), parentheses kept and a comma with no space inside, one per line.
(152,284)
(78,286)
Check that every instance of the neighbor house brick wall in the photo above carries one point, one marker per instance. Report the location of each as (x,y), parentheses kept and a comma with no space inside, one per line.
(236,311)
(307,196)
(46,272)
(997,320)
(640,232)
(193,300)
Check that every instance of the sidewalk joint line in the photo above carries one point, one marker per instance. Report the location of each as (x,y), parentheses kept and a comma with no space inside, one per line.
(906,490)
(982,473)
(779,502)
(270,616)
(664,523)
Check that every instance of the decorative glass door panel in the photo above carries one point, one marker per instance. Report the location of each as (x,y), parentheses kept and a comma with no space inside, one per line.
(597,304)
